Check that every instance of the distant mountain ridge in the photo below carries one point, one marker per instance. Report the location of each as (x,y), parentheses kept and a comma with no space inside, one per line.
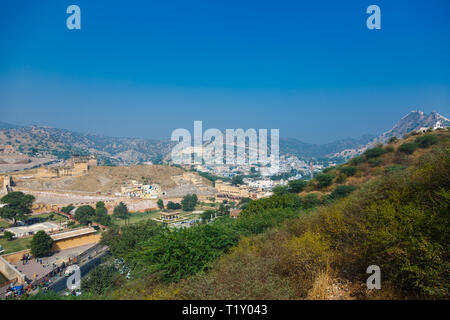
(413,121)
(307,150)
(62,143)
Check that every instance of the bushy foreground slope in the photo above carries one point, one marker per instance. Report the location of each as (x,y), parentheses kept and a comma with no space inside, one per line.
(294,246)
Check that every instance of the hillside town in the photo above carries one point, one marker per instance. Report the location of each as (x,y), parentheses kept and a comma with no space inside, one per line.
(55,210)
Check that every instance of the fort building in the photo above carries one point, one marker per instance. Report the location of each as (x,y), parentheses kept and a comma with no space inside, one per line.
(229,190)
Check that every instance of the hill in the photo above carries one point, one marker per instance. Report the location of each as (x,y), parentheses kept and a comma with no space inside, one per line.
(413,121)
(292,246)
(107,178)
(45,141)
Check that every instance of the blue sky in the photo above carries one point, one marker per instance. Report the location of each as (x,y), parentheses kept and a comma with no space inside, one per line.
(144,68)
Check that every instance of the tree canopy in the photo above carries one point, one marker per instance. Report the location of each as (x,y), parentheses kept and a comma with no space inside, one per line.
(121,211)
(237,180)
(173,205)
(85,214)
(41,244)
(189,202)
(101,214)
(297,186)
(18,206)
(160,204)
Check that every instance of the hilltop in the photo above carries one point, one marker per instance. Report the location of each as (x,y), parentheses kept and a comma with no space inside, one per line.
(413,121)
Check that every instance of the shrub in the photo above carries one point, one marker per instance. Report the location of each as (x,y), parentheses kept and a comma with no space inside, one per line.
(392,140)
(341,178)
(348,170)
(426,140)
(324,180)
(408,147)
(374,152)
(342,191)
(99,280)
(394,168)
(374,162)
(8,235)
(356,160)
(280,190)
(389,149)
(307,255)
(310,201)
(297,186)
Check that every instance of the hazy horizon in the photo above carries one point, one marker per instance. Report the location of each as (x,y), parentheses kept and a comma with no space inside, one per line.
(313,70)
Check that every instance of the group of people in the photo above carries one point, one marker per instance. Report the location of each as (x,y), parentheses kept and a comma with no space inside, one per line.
(13,292)
(26,257)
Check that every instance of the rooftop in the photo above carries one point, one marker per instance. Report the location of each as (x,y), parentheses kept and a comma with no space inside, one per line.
(45,226)
(73,233)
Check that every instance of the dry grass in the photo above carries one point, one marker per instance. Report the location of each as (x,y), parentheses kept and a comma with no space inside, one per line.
(107,179)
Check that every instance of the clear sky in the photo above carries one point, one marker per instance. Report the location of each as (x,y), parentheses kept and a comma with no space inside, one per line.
(144,68)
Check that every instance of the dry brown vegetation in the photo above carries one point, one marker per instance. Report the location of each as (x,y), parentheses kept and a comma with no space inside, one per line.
(107,178)
(398,220)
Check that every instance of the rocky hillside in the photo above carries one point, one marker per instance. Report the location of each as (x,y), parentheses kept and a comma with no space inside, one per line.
(61,143)
(413,121)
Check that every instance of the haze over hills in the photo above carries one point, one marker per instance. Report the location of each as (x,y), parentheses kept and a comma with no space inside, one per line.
(62,143)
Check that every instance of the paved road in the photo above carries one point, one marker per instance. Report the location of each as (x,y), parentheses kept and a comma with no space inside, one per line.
(61,284)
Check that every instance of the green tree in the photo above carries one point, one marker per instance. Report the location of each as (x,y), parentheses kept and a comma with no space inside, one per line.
(324,180)
(68,209)
(223,210)
(101,214)
(408,147)
(280,189)
(189,202)
(17,206)
(297,186)
(121,211)
(99,280)
(426,140)
(342,191)
(374,152)
(207,215)
(41,244)
(173,206)
(311,200)
(85,214)
(348,170)
(160,204)
(8,235)
(237,180)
